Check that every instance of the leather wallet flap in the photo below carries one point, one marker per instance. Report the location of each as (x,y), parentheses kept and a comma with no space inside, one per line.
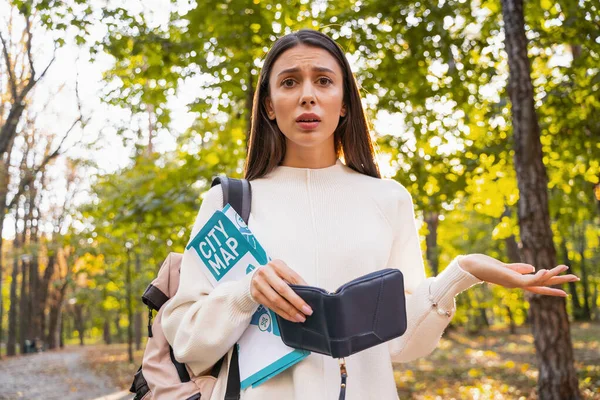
(362,313)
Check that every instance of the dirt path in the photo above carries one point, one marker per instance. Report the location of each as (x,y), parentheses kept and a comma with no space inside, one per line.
(54,375)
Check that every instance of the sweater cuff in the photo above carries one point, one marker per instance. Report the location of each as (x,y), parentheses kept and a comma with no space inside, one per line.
(450,282)
(243,302)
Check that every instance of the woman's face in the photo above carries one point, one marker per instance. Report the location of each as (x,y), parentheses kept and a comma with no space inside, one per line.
(306,80)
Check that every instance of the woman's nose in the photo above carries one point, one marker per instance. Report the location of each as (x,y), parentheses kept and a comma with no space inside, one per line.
(312,101)
(307,94)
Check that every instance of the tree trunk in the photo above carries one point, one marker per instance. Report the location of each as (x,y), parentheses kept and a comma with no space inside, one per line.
(43,293)
(34,268)
(53,321)
(129,308)
(4,181)
(511,320)
(25,300)
(23,308)
(56,310)
(33,316)
(587,314)
(79,322)
(14,309)
(432,252)
(575,304)
(483,317)
(550,323)
(106,334)
(594,302)
(61,335)
(11,346)
(512,247)
(512,252)
(138,314)
(119,331)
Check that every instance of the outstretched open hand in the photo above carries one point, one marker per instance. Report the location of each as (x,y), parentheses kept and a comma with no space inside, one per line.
(516,275)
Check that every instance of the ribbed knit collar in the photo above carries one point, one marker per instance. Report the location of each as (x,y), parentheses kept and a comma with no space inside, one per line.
(332,172)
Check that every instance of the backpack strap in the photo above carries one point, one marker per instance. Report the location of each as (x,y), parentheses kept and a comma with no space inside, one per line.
(237,193)
(233,378)
(139,385)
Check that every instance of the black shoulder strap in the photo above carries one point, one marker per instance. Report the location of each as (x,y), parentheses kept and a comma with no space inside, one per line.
(237,193)
(233,379)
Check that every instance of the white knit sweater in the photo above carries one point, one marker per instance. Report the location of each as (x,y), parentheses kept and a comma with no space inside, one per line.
(330,225)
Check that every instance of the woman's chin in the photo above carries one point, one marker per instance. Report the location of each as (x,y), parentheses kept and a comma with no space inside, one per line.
(310,139)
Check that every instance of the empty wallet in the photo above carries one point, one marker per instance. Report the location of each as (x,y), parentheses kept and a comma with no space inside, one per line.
(360,314)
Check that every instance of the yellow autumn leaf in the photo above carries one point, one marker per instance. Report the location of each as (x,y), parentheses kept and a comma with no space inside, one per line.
(474,373)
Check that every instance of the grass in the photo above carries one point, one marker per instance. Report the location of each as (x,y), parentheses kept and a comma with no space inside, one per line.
(494,365)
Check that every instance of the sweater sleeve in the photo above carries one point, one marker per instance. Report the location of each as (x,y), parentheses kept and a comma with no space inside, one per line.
(424,324)
(201,322)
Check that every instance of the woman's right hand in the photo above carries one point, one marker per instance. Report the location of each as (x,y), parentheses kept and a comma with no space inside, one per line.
(270,288)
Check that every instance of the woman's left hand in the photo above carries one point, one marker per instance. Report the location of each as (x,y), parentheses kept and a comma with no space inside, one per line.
(516,275)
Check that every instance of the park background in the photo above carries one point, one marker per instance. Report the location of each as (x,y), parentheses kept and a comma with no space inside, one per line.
(115,116)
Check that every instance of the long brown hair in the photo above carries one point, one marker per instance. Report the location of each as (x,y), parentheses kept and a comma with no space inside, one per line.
(266,145)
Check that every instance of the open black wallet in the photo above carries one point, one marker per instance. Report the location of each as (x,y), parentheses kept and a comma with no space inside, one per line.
(365,312)
(362,313)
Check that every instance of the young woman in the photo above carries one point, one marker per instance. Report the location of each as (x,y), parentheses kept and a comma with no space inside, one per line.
(323,222)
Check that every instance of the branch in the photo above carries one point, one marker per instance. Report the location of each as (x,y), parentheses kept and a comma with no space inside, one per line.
(9,129)
(11,76)
(27,179)
(28,29)
(47,66)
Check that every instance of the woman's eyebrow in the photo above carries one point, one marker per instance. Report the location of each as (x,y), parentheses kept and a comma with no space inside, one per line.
(296,69)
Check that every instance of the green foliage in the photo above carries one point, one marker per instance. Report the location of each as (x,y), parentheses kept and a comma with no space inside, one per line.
(59,17)
(441,70)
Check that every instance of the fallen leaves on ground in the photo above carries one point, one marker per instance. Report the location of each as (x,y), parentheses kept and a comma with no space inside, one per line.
(491,366)
(112,360)
(494,366)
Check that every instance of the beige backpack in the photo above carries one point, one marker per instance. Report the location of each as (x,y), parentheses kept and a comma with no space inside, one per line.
(161,376)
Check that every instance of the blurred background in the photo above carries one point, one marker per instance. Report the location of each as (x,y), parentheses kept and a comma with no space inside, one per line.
(115,116)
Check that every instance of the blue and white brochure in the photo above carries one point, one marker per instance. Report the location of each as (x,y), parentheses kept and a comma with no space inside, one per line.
(227,251)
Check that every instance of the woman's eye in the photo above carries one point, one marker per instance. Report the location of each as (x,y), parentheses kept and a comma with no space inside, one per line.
(322,81)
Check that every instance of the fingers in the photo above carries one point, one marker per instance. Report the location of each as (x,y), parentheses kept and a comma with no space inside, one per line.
(542,276)
(540,281)
(559,280)
(534,280)
(269,288)
(284,290)
(521,268)
(272,300)
(287,273)
(546,291)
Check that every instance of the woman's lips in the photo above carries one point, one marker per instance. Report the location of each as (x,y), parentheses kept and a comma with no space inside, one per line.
(308,126)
